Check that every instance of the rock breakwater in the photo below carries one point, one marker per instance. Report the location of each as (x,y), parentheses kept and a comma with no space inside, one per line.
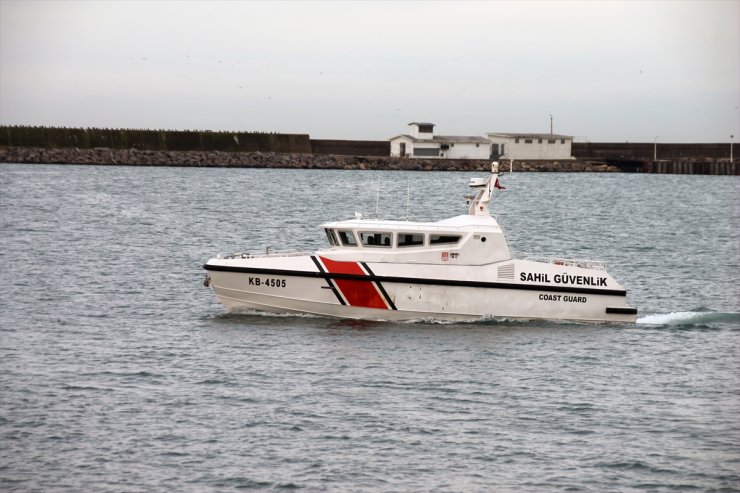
(133,157)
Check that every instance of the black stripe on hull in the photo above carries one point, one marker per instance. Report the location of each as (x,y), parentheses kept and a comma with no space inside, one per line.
(621,310)
(328,280)
(380,286)
(416,280)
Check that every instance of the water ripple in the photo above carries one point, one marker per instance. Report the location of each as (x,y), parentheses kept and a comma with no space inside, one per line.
(119,372)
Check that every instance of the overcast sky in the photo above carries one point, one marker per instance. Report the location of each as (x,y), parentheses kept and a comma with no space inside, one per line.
(606,71)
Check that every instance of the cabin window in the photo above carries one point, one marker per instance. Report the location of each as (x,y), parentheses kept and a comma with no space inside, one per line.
(348,238)
(373,239)
(443,239)
(410,239)
(332,237)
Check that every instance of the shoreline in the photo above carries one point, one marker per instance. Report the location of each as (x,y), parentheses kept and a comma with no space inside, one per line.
(104,156)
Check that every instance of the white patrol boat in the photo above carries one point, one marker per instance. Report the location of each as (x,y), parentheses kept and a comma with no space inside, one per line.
(456,269)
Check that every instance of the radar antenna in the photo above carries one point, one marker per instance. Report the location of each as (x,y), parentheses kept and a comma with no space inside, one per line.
(485,187)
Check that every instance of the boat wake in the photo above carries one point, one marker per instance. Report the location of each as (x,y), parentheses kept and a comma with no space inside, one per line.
(692,318)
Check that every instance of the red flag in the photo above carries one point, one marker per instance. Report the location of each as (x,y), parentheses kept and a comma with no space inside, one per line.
(498,185)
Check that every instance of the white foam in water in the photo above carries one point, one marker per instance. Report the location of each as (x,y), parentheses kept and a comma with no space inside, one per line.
(681,318)
(666,318)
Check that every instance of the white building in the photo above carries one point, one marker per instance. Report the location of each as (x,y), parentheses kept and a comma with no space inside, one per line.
(422,142)
(530,146)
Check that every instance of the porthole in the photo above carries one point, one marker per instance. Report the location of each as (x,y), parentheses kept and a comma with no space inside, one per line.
(483,239)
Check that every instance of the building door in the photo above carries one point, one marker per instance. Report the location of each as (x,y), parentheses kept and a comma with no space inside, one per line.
(402,152)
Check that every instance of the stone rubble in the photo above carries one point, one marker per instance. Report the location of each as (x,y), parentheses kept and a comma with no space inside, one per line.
(133,157)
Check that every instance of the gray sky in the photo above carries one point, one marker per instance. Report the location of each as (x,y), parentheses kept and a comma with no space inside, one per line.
(606,71)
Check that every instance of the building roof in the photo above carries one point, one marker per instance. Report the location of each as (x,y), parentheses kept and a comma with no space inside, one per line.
(530,135)
(445,139)
(458,138)
(422,123)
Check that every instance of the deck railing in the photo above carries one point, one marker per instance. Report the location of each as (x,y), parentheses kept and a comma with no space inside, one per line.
(268,253)
(568,262)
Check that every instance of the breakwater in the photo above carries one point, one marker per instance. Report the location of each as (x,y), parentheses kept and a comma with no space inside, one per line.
(53,145)
(351,147)
(134,157)
(152,140)
(681,167)
(648,151)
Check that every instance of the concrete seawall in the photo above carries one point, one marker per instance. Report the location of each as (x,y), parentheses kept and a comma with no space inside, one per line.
(718,167)
(132,157)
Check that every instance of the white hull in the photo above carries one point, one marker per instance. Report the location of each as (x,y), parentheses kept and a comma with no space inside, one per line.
(459,268)
(372,293)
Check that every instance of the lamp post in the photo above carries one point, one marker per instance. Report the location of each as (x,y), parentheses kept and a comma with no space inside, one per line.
(731,137)
(655,148)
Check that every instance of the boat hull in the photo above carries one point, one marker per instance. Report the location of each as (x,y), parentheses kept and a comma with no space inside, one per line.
(355,290)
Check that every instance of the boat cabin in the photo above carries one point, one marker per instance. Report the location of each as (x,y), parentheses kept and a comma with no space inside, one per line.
(463,240)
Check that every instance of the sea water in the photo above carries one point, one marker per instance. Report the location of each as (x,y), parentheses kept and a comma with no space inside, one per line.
(120,372)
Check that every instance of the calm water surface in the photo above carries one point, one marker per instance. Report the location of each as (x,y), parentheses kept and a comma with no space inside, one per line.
(120,372)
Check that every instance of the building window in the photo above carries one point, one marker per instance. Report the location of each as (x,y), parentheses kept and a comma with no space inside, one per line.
(516,141)
(562,141)
(527,141)
(477,145)
(426,129)
(425,152)
(539,141)
(550,141)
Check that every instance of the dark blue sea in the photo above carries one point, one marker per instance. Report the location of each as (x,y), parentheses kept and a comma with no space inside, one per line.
(120,372)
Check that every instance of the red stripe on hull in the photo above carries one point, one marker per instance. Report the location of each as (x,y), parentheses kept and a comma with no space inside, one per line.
(357,293)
